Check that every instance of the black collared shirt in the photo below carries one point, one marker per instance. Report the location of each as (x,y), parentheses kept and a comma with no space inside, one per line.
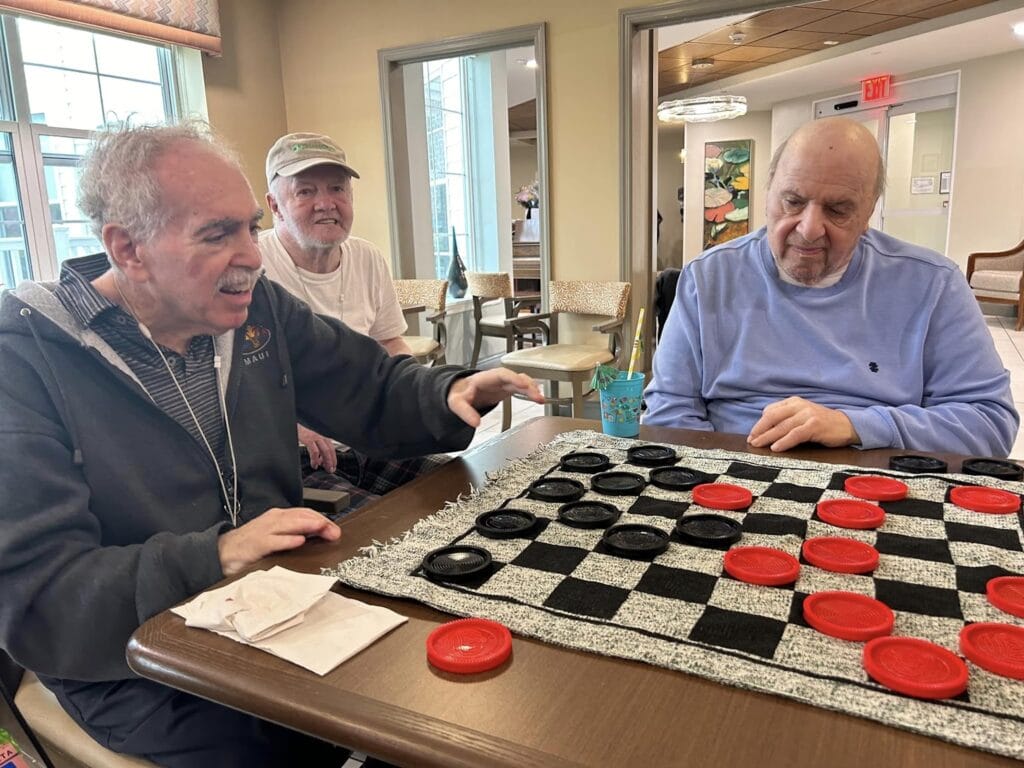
(194,372)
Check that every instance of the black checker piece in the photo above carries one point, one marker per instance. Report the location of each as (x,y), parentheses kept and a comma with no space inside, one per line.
(677,584)
(646,505)
(774,525)
(935,550)
(931,510)
(992,537)
(976,578)
(550,557)
(745,632)
(587,598)
(743,471)
(804,494)
(679,479)
(917,598)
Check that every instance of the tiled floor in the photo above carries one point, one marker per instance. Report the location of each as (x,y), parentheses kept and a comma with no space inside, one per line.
(1009,345)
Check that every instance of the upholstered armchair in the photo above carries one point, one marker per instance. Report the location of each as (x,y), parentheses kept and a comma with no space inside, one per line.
(998,277)
(417,296)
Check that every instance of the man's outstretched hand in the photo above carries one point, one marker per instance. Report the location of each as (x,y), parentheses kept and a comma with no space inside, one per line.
(788,423)
(488,388)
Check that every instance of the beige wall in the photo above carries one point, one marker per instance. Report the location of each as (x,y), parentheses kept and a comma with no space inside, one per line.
(244,94)
(987,201)
(329,57)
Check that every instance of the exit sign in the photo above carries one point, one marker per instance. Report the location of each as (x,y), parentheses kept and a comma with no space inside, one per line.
(876,88)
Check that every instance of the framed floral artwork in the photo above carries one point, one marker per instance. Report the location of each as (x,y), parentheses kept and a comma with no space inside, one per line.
(727,183)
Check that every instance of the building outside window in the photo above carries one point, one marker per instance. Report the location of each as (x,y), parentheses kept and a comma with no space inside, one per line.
(58,84)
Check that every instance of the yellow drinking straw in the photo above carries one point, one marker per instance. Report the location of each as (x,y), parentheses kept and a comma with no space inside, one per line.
(636,344)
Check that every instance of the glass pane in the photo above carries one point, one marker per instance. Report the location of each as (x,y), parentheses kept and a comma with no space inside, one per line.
(15,264)
(127,58)
(65,99)
(142,103)
(52,44)
(72,232)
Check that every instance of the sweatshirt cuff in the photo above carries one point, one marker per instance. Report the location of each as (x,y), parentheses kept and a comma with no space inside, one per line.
(874,428)
(176,567)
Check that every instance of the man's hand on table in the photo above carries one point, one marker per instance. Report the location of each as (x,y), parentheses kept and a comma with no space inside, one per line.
(275,530)
(790,422)
(320,448)
(488,388)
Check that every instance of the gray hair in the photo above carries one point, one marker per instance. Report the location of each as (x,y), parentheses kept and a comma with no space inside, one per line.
(879,171)
(118,184)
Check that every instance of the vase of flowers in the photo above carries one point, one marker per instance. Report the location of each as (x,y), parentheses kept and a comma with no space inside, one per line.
(528,198)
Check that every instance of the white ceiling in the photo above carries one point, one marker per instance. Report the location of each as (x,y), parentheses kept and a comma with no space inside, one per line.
(522,81)
(839,70)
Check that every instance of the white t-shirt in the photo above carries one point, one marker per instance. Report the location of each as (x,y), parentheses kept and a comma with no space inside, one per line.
(359,293)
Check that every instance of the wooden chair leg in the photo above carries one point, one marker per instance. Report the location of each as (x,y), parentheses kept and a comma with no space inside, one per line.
(506,414)
(476,348)
(577,399)
(1020,312)
(555,408)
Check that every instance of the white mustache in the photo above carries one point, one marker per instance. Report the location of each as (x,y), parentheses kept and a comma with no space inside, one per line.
(239,279)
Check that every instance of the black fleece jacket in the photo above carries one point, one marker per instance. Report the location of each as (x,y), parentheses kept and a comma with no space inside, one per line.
(110,510)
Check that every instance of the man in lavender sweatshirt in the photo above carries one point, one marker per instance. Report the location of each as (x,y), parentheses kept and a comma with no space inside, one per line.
(819,329)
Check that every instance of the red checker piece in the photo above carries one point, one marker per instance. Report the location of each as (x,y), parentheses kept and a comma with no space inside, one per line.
(467,646)
(722,496)
(833,553)
(998,648)
(1007,594)
(762,565)
(875,488)
(848,616)
(991,500)
(915,667)
(851,513)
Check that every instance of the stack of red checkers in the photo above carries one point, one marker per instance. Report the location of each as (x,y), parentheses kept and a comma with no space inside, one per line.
(762,565)
(991,500)
(467,646)
(840,555)
(1007,594)
(915,667)
(722,496)
(998,648)
(875,488)
(851,513)
(848,616)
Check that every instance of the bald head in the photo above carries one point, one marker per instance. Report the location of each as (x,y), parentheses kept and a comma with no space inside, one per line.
(823,184)
(837,135)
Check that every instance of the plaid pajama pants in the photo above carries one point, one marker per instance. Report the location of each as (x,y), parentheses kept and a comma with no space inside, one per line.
(366,479)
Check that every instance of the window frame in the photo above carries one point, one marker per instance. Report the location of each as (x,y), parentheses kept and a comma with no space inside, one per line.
(26,136)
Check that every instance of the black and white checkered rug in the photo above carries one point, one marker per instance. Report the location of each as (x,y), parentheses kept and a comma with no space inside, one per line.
(682,612)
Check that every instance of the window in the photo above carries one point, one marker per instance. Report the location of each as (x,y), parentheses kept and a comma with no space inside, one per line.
(446,160)
(457,105)
(57,85)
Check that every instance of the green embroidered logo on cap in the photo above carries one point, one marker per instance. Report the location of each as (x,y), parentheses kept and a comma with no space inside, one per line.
(313,145)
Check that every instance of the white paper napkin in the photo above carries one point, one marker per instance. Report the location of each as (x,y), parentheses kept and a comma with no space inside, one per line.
(292,615)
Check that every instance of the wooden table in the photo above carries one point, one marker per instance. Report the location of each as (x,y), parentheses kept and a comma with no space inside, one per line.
(550,706)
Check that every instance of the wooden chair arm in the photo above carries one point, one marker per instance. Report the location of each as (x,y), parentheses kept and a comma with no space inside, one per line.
(974,257)
(526,320)
(608,326)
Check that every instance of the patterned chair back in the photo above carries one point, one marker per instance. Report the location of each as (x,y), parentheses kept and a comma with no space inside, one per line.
(430,293)
(489,285)
(584,297)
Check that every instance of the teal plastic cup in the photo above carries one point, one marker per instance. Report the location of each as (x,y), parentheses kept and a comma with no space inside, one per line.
(620,405)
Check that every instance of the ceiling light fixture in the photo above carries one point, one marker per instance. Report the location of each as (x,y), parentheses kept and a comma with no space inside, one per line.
(702,109)
(1018,29)
(531,64)
(682,155)
(702,63)
(737,37)
(830,42)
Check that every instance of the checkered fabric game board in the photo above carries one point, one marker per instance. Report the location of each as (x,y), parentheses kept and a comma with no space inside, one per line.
(681,611)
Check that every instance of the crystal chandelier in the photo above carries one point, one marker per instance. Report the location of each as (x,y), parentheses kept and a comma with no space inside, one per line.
(702,109)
